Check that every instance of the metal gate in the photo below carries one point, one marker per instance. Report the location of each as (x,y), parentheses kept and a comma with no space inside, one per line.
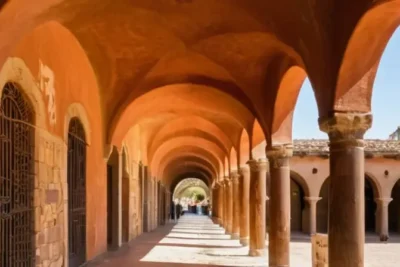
(16,179)
(76,193)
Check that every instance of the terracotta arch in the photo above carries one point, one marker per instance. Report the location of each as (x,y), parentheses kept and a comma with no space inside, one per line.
(183,141)
(189,123)
(191,151)
(375,184)
(197,133)
(362,55)
(187,161)
(185,156)
(233,159)
(285,102)
(178,98)
(258,142)
(244,152)
(193,172)
(227,167)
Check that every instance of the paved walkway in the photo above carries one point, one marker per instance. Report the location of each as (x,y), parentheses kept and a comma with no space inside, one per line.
(195,241)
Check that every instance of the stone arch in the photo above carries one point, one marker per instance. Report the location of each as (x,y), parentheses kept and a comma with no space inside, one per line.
(258,143)
(371,192)
(301,181)
(322,207)
(77,110)
(226,167)
(394,208)
(233,159)
(244,152)
(286,98)
(15,70)
(362,56)
(299,210)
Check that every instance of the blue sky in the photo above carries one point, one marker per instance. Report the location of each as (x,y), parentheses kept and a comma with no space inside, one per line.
(385,100)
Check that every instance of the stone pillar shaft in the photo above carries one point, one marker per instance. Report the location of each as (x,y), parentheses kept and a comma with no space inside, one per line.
(229,201)
(383,213)
(312,202)
(258,171)
(236,206)
(244,185)
(279,233)
(221,206)
(346,192)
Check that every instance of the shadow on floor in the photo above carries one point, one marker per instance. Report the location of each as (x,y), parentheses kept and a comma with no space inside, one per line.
(195,241)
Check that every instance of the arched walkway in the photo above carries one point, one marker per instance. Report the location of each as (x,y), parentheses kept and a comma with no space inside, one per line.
(394,209)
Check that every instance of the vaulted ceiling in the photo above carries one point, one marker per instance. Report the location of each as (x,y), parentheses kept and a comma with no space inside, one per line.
(203,79)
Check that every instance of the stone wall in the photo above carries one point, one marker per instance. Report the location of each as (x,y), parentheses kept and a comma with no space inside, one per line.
(50,200)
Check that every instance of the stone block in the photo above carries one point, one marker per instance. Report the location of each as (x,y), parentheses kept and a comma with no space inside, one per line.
(58,263)
(319,250)
(52,196)
(41,149)
(40,239)
(44,252)
(55,250)
(38,222)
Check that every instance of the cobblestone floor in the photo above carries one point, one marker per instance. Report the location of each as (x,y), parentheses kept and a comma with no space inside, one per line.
(195,241)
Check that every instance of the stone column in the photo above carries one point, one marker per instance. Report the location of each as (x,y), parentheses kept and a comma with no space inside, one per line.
(383,213)
(117,206)
(236,206)
(279,204)
(346,192)
(221,205)
(229,206)
(258,172)
(244,186)
(312,202)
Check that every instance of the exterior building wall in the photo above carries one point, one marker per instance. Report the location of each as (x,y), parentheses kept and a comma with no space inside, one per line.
(310,173)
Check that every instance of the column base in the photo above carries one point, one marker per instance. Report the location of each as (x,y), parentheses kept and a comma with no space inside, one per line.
(244,241)
(258,252)
(235,236)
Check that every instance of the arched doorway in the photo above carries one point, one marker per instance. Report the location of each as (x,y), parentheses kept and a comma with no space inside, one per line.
(76,178)
(16,179)
(394,209)
(323,208)
(297,206)
(370,205)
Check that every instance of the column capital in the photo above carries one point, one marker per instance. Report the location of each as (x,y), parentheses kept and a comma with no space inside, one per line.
(258,165)
(227,181)
(383,201)
(235,177)
(346,128)
(278,155)
(311,200)
(244,169)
